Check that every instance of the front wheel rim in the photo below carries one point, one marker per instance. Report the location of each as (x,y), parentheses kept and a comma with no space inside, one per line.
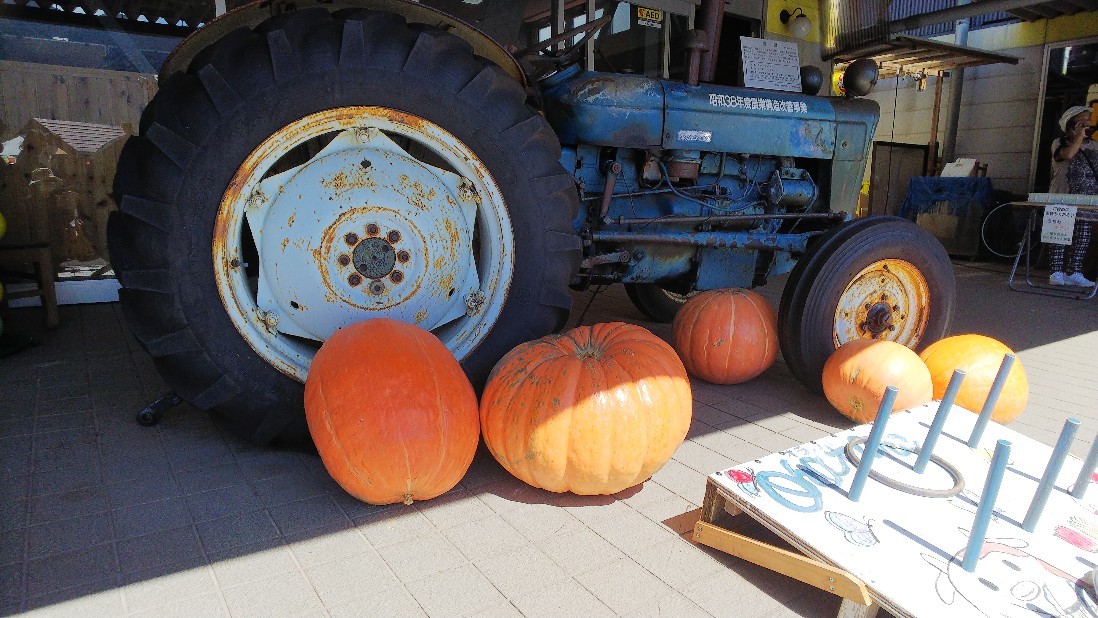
(887,300)
(392,217)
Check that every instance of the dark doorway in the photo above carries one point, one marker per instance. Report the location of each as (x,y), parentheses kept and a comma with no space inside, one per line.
(1072,70)
(729,70)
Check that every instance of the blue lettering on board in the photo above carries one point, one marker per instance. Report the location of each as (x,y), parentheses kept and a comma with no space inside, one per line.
(798,488)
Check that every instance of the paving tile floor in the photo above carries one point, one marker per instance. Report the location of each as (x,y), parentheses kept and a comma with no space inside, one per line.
(101,517)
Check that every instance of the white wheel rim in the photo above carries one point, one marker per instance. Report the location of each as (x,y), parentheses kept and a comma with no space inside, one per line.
(362,229)
(889,299)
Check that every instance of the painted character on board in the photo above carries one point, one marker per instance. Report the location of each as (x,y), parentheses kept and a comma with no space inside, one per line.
(745,479)
(1080,528)
(1007,574)
(855,531)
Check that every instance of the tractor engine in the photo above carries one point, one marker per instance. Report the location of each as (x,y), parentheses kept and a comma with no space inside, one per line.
(702,187)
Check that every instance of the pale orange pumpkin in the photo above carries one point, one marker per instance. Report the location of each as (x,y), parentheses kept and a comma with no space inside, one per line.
(592,411)
(980,358)
(391,412)
(856,375)
(726,336)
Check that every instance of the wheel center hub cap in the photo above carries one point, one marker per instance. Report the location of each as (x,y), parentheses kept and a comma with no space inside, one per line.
(879,318)
(374,258)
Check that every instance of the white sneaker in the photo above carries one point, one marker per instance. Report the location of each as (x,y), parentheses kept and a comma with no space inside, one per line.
(1079,280)
(1058,278)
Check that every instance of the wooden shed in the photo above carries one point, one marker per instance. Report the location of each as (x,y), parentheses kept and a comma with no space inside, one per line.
(59,187)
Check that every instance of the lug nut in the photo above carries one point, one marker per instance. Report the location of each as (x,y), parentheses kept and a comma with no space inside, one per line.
(354,279)
(396,276)
(372,229)
(344,260)
(351,238)
(393,236)
(895,307)
(403,256)
(377,287)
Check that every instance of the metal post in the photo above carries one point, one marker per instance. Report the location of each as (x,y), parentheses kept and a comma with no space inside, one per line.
(557,20)
(1086,471)
(939,421)
(872,443)
(589,52)
(932,155)
(986,507)
(989,403)
(712,17)
(1052,470)
(949,146)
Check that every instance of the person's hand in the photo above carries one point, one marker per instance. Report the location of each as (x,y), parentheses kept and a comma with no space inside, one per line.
(1077,133)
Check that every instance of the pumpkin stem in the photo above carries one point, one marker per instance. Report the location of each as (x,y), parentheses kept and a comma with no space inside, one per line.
(407,498)
(591,350)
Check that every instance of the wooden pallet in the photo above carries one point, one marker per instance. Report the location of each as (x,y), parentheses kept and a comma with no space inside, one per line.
(902,552)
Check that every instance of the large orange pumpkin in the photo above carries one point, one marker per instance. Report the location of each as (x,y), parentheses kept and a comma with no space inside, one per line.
(726,336)
(592,411)
(980,358)
(391,412)
(856,375)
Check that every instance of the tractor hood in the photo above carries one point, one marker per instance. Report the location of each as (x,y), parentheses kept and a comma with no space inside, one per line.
(634,111)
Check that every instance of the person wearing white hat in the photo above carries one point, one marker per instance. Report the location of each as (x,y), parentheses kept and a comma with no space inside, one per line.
(1074,170)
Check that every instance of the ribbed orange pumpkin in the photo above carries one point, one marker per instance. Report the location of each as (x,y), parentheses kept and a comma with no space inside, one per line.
(592,411)
(726,336)
(979,357)
(855,377)
(391,412)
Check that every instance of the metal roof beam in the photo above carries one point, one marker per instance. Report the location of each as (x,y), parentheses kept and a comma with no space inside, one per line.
(958,12)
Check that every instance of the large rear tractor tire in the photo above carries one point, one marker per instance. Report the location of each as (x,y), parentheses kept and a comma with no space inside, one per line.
(873,278)
(656,303)
(324,169)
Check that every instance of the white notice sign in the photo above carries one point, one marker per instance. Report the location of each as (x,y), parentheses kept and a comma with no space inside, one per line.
(1059,224)
(774,65)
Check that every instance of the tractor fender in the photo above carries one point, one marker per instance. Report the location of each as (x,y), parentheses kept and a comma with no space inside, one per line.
(253,13)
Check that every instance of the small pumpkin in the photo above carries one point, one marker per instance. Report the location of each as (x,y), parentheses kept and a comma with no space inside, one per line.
(726,336)
(391,412)
(592,411)
(856,375)
(980,358)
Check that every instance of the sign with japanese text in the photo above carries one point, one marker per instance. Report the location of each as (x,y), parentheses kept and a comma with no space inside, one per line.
(653,18)
(1059,224)
(773,65)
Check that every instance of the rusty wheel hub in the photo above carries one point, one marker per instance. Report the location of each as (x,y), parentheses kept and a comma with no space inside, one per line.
(878,319)
(889,299)
(379,222)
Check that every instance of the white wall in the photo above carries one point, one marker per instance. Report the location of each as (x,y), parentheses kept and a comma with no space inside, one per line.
(997,118)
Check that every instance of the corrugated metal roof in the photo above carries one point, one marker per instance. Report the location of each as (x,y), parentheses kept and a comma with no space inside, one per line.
(899,9)
(169,12)
(1055,8)
(82,136)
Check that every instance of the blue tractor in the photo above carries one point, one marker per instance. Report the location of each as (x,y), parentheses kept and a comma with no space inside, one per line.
(304,168)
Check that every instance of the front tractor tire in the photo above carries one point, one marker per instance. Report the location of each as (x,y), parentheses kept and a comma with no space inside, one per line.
(656,303)
(323,169)
(874,278)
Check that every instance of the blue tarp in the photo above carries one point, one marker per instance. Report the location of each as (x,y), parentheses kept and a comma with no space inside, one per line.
(953,196)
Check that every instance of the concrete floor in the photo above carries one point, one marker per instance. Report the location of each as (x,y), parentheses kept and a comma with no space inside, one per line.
(99,516)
